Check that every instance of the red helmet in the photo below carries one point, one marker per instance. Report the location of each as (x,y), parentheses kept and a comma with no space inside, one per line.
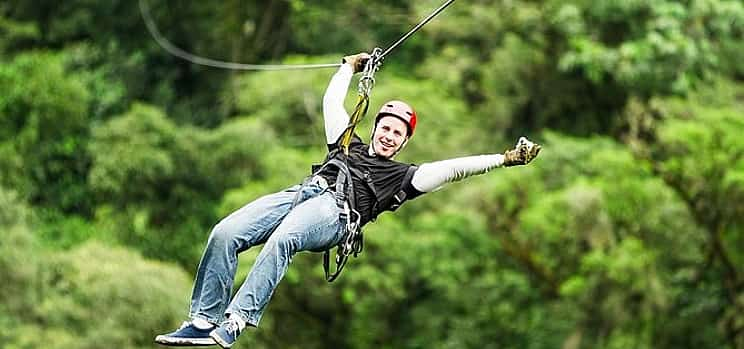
(400,110)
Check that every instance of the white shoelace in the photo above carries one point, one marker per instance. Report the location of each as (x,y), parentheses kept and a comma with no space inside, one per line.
(232,327)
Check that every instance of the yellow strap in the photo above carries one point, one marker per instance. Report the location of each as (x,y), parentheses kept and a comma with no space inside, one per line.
(359,112)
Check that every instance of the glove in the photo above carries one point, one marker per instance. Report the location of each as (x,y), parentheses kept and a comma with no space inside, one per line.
(357,61)
(522,153)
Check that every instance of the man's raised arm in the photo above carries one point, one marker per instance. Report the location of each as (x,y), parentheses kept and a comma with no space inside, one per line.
(335,116)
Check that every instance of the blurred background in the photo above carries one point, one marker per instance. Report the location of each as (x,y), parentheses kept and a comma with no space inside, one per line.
(117,158)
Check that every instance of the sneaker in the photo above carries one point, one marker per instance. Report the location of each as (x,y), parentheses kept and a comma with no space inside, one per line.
(186,335)
(524,151)
(227,333)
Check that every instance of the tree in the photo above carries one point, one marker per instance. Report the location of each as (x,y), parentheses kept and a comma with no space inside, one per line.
(156,184)
(43,132)
(699,154)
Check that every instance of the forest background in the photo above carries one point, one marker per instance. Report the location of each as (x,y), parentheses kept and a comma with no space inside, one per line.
(116,159)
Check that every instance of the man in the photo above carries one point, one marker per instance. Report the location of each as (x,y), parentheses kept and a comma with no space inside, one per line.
(315,216)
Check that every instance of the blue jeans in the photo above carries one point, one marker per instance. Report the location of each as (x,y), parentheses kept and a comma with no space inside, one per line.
(312,225)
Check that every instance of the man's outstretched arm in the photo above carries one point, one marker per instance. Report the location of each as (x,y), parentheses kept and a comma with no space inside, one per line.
(433,175)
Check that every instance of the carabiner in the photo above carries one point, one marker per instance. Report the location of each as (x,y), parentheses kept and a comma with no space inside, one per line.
(367,81)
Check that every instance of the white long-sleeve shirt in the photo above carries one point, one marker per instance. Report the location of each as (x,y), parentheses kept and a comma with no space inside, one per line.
(429,176)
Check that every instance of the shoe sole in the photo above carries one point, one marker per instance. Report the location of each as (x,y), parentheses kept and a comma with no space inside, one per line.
(184,342)
(220,341)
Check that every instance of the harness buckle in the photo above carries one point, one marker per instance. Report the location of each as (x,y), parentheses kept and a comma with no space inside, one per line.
(353,225)
(319,181)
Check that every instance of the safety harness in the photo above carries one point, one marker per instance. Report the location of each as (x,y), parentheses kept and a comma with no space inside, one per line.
(353,238)
(352,241)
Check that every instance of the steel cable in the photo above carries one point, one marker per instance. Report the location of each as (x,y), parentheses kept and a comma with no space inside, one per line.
(183,54)
(178,52)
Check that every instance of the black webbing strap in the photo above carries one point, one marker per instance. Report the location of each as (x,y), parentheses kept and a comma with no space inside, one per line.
(371,186)
(350,241)
(401,196)
(339,266)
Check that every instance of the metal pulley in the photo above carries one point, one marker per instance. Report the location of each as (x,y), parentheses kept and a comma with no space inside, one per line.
(367,81)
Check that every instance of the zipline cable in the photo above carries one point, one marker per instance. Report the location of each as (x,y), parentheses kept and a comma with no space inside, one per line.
(417,27)
(178,52)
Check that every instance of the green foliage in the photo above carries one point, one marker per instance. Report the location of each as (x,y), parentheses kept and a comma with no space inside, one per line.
(624,233)
(58,230)
(144,138)
(354,25)
(597,230)
(152,178)
(43,125)
(19,272)
(704,164)
(15,32)
(292,108)
(129,298)
(91,296)
(106,81)
(652,47)
(95,296)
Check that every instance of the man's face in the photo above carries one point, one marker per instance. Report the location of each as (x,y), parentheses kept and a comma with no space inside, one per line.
(390,134)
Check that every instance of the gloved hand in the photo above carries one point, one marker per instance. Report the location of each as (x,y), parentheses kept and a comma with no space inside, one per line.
(522,153)
(357,61)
